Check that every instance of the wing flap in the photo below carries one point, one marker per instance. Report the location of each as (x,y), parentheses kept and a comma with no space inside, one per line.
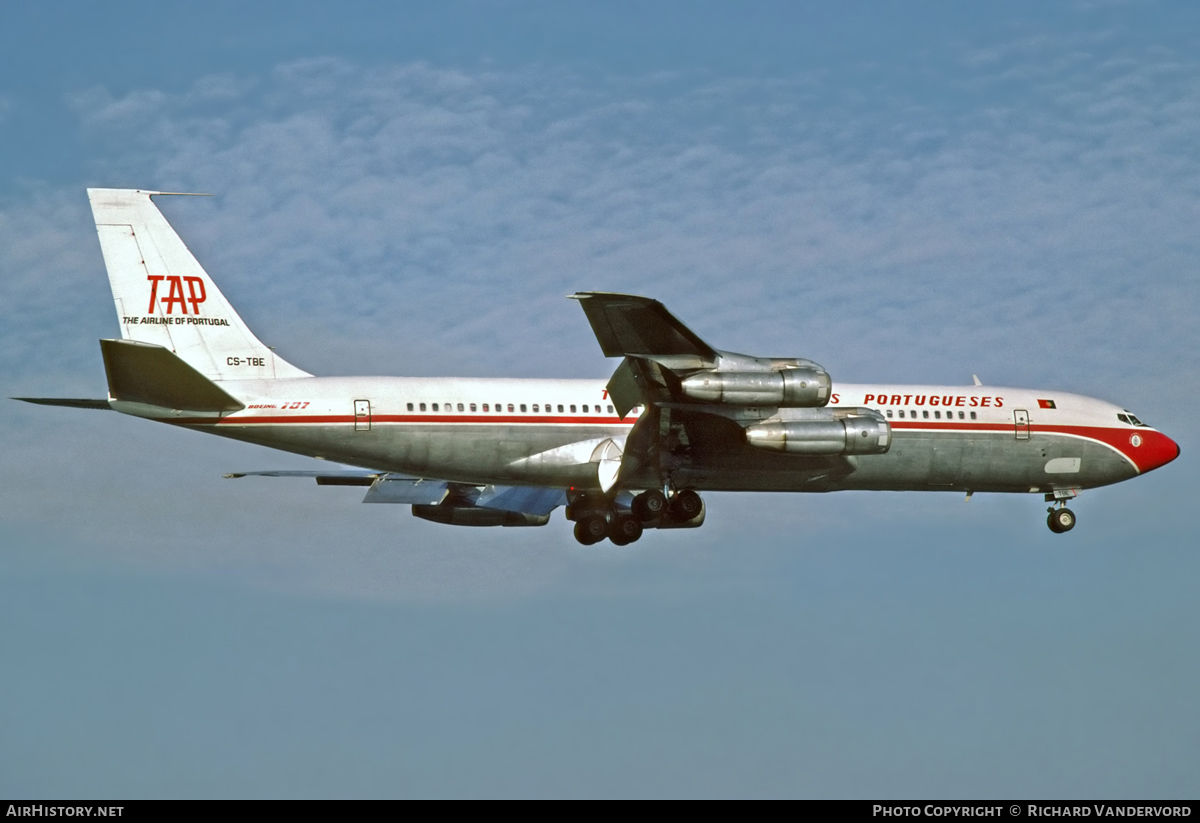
(522,499)
(405,490)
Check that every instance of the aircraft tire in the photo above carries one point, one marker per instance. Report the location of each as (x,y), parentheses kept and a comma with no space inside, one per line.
(624,530)
(649,505)
(590,530)
(686,504)
(1061,520)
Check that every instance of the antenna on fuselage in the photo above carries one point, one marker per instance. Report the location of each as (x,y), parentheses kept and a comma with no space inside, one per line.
(978,382)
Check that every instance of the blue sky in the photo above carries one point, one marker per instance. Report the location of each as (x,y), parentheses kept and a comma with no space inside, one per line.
(910,192)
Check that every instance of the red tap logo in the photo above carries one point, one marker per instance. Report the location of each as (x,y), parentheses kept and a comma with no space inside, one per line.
(175,296)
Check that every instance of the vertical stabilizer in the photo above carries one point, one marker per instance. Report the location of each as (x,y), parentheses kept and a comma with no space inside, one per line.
(164,297)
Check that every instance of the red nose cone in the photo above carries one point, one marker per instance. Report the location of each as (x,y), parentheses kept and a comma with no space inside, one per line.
(1150,449)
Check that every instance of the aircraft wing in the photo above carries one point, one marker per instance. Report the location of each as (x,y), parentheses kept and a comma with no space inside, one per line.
(531,500)
(347,477)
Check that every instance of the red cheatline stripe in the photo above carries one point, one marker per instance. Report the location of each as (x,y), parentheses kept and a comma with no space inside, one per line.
(313,419)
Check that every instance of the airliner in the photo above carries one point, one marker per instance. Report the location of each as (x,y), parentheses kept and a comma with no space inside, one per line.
(677,418)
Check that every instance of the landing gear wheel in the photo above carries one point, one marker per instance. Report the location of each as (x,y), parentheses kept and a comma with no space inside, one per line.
(649,505)
(624,530)
(686,504)
(1061,520)
(590,530)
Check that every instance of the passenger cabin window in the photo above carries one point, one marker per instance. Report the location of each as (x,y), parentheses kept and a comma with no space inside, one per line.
(485,407)
(460,407)
(410,406)
(925,413)
(610,409)
(889,412)
(535,408)
(422,407)
(510,407)
(472,407)
(961,415)
(572,407)
(937,415)
(901,413)
(972,415)
(435,406)
(560,408)
(522,407)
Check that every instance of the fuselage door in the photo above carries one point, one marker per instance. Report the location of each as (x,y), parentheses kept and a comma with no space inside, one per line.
(1021,421)
(362,416)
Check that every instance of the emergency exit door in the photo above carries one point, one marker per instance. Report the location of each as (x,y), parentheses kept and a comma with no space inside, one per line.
(362,415)
(1021,421)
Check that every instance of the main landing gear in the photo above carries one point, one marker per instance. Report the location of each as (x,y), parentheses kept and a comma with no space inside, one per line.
(598,519)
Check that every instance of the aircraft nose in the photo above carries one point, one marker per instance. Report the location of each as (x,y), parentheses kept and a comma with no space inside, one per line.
(1154,450)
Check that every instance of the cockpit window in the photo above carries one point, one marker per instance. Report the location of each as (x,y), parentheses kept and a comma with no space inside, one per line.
(1130,418)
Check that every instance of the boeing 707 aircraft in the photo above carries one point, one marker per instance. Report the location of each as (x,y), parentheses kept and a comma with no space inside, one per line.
(677,418)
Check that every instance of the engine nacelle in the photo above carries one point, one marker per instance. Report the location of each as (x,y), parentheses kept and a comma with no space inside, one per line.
(847,431)
(805,387)
(477,516)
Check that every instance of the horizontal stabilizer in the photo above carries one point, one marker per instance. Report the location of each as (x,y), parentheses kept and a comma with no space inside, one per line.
(150,374)
(629,325)
(70,402)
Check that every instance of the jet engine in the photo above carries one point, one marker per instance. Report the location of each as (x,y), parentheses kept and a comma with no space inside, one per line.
(845,431)
(804,387)
(476,516)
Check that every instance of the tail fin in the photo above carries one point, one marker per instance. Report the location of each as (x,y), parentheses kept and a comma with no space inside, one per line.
(164,297)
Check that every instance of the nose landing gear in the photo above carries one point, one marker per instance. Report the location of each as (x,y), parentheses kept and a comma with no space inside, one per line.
(1060,520)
